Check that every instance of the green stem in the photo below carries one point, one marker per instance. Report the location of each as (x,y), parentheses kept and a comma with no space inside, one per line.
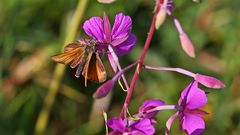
(72,29)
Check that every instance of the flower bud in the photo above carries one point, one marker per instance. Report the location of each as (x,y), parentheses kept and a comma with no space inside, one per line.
(187,45)
(103,90)
(209,81)
(160,18)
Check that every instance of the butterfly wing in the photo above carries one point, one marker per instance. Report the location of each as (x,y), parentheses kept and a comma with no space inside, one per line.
(73,54)
(94,69)
(101,72)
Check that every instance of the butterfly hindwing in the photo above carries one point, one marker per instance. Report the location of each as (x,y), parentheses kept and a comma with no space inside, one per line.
(101,72)
(94,69)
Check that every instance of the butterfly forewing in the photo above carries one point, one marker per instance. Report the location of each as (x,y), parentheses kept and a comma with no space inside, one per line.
(72,54)
(72,46)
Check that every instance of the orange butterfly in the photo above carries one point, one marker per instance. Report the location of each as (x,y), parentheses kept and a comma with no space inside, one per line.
(84,57)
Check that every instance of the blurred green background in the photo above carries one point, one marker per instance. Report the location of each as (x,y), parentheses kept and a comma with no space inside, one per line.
(31,31)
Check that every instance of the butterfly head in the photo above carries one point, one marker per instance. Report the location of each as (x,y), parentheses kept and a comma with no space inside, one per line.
(93,42)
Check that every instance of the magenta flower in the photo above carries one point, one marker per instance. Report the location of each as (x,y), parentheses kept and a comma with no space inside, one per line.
(192,98)
(117,40)
(148,105)
(130,127)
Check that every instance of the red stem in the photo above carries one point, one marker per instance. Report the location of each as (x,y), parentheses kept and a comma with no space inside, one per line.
(123,113)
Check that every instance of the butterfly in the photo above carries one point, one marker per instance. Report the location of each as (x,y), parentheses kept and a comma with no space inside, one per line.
(83,55)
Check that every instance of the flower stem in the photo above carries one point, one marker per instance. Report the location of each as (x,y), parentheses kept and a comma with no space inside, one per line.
(72,29)
(179,70)
(122,71)
(165,107)
(140,63)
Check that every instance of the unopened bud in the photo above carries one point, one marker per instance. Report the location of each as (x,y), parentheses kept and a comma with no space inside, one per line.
(187,45)
(161,15)
(209,81)
(103,90)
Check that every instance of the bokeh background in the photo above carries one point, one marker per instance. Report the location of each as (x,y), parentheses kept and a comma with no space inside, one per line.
(31,31)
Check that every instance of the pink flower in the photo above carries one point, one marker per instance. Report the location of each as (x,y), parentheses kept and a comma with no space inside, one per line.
(117,40)
(119,37)
(192,98)
(148,105)
(130,127)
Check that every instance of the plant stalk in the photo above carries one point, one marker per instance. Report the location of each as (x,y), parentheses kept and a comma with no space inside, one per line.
(72,29)
(123,113)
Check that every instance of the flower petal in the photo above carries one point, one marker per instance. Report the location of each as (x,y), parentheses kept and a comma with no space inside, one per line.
(194,96)
(107,28)
(170,121)
(197,112)
(112,62)
(192,124)
(125,47)
(94,28)
(134,132)
(115,133)
(122,26)
(144,126)
(150,104)
(117,124)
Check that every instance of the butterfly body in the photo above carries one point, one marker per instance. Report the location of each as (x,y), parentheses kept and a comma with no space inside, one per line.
(85,58)
(89,49)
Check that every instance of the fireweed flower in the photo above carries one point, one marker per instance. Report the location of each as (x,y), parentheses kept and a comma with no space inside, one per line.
(192,98)
(130,126)
(117,41)
(148,105)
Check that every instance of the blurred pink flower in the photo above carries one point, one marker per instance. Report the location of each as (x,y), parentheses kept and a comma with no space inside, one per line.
(148,105)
